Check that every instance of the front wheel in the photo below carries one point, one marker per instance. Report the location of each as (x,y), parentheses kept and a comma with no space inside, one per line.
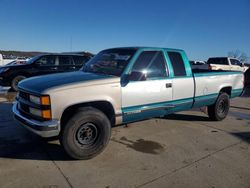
(220,109)
(15,81)
(86,134)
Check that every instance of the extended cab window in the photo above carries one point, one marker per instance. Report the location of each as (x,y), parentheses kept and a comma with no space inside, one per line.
(47,61)
(177,63)
(150,63)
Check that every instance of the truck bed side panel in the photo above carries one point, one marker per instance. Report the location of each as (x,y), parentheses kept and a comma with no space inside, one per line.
(208,86)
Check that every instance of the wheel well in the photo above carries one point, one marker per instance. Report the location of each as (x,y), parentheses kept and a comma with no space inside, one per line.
(22,73)
(227,90)
(104,106)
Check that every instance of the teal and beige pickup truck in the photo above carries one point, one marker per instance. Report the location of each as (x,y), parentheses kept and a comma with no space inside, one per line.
(119,86)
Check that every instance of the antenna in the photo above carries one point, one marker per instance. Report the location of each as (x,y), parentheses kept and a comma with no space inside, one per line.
(70,43)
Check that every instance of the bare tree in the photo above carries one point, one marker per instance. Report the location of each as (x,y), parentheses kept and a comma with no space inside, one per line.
(241,56)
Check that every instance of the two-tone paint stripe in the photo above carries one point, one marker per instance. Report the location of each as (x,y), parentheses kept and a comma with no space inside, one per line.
(152,106)
(236,92)
(140,112)
(221,73)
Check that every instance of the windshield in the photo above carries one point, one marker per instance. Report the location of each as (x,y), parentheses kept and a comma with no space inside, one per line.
(110,62)
(218,61)
(33,59)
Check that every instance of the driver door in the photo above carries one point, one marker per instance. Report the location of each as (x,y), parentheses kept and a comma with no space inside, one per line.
(148,89)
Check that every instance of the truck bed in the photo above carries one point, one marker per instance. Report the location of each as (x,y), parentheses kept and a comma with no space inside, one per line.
(208,84)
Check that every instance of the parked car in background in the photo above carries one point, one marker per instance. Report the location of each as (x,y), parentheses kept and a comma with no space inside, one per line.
(12,74)
(120,86)
(226,63)
(199,65)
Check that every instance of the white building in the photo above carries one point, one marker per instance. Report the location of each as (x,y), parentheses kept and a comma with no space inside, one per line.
(1,60)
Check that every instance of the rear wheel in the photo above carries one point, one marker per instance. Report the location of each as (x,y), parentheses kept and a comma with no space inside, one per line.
(15,81)
(220,109)
(86,134)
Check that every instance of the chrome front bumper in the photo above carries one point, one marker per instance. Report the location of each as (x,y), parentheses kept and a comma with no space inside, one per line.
(44,129)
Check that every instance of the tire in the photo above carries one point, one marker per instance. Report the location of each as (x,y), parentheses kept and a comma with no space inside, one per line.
(220,109)
(15,82)
(86,134)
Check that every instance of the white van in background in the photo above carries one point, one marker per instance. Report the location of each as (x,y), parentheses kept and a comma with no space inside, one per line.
(1,60)
(18,60)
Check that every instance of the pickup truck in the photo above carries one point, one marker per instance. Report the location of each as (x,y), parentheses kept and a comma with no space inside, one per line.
(226,63)
(119,86)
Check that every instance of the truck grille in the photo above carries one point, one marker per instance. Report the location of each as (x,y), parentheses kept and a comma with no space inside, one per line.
(23,95)
(24,107)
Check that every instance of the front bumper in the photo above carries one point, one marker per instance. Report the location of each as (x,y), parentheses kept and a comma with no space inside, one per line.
(44,129)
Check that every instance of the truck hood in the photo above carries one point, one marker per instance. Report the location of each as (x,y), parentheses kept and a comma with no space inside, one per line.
(40,84)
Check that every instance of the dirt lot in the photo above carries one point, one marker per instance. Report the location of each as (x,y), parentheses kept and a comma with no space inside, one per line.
(181,150)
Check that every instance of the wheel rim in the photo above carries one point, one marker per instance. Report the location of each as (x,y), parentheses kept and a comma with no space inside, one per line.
(87,134)
(222,107)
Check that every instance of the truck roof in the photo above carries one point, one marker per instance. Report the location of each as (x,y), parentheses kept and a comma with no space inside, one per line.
(145,47)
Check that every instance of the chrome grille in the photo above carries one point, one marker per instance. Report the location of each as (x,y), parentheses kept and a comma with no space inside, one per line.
(23,95)
(21,106)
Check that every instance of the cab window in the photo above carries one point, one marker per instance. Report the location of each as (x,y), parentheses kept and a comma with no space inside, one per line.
(149,65)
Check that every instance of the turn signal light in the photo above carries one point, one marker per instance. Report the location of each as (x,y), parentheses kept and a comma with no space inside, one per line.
(45,100)
(46,114)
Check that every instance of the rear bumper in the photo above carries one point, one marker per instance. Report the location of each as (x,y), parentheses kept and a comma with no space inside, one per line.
(43,129)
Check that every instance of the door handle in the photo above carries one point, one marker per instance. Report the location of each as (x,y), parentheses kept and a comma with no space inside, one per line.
(168,85)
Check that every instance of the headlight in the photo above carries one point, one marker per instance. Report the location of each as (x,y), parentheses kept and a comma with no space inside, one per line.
(35,99)
(35,112)
(43,111)
(4,70)
(43,100)
(46,114)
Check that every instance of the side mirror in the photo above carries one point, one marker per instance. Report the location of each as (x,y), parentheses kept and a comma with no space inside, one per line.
(242,64)
(137,76)
(133,76)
